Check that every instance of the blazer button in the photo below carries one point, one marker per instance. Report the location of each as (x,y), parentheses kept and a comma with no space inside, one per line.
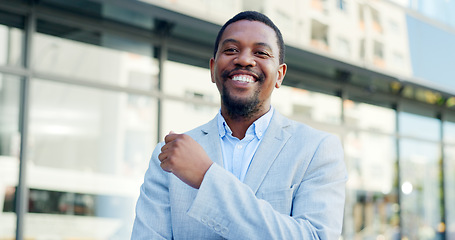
(211,223)
(204,219)
(217,227)
(224,230)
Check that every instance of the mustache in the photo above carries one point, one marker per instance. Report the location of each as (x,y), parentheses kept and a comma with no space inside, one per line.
(226,73)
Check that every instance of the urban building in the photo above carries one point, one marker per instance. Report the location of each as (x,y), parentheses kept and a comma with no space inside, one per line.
(88,87)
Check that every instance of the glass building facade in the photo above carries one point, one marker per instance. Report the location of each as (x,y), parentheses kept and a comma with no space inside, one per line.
(87,88)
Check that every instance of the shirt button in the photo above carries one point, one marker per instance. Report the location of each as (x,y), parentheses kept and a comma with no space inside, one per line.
(259,134)
(239,146)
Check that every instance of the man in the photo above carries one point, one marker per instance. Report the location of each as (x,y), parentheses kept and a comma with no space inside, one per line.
(250,173)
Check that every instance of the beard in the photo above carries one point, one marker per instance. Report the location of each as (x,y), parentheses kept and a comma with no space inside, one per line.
(241,108)
(238,108)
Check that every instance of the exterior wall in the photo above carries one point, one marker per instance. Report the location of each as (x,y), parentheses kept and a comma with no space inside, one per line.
(216,11)
(339,22)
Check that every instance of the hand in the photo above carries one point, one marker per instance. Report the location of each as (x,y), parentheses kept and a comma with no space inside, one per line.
(185,158)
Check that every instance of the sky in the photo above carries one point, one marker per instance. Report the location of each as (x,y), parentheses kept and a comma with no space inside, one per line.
(432,53)
(441,10)
(432,47)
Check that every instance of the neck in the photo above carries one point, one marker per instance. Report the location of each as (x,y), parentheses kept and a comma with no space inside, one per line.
(239,125)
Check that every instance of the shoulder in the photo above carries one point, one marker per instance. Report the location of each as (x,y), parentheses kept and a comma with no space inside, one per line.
(298,129)
(202,130)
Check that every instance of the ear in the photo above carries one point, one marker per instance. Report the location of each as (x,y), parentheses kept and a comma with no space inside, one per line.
(281,73)
(212,69)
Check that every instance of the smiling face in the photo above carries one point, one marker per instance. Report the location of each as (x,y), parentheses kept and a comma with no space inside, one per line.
(246,69)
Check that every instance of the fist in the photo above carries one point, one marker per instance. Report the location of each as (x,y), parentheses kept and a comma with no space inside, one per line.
(185,158)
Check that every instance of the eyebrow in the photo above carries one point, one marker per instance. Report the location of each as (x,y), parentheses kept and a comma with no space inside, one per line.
(228,40)
(231,40)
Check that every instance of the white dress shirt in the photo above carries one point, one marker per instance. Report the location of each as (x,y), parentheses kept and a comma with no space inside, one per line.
(237,154)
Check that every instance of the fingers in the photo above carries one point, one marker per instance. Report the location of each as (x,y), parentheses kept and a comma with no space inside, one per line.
(170,137)
(165,153)
(166,167)
(162,156)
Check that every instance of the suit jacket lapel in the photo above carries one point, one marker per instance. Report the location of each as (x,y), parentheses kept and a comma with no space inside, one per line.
(271,145)
(211,141)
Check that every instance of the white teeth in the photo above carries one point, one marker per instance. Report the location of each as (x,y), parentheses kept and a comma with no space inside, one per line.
(243,78)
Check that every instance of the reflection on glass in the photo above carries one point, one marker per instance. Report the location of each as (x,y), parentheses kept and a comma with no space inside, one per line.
(412,125)
(372,203)
(449,132)
(420,189)
(302,105)
(11,46)
(104,10)
(89,148)
(9,152)
(449,184)
(9,115)
(371,159)
(183,116)
(189,81)
(93,63)
(370,117)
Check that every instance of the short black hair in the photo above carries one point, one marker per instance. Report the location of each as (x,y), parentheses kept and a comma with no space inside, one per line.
(253,16)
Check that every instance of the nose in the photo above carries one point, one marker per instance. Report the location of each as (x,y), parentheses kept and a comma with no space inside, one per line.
(245,59)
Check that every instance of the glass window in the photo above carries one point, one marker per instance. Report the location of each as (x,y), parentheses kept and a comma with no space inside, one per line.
(371,210)
(9,152)
(394,26)
(189,81)
(343,48)
(125,62)
(449,184)
(378,59)
(371,158)
(362,14)
(362,49)
(319,35)
(320,5)
(369,117)
(376,17)
(449,131)
(303,105)
(342,5)
(90,149)
(181,116)
(11,45)
(412,125)
(9,115)
(105,10)
(420,199)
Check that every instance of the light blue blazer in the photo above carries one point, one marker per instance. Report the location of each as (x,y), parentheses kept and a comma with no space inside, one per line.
(294,189)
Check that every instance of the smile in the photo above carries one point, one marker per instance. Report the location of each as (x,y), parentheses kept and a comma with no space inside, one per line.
(243,78)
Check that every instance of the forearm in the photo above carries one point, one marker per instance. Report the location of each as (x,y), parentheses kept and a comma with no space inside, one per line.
(232,210)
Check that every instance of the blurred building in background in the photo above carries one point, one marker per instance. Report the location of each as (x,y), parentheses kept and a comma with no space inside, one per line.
(88,87)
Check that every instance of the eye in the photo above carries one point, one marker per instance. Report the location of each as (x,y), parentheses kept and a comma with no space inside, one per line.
(230,50)
(262,53)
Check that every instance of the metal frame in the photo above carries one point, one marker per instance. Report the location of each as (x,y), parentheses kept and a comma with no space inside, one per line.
(22,192)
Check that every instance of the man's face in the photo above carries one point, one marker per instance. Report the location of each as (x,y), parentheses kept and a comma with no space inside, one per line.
(246,68)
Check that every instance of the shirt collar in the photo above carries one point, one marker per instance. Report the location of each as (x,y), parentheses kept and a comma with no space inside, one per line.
(259,126)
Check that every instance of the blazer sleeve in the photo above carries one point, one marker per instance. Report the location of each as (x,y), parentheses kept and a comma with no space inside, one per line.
(153,219)
(230,208)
